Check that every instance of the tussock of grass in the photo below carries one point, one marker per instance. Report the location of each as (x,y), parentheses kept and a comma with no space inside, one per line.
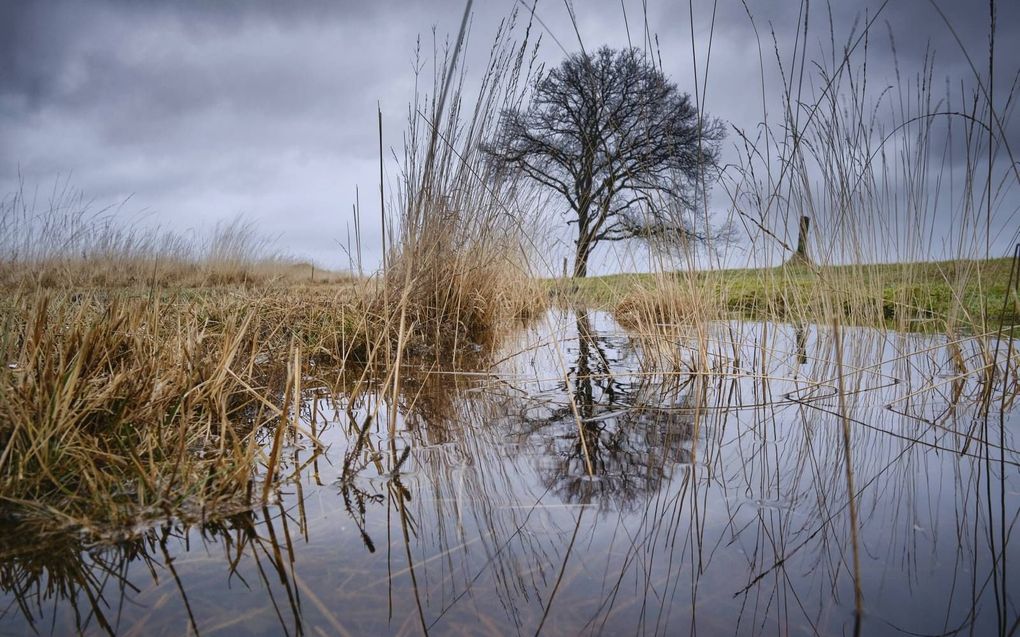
(459,273)
(117,408)
(659,301)
(459,296)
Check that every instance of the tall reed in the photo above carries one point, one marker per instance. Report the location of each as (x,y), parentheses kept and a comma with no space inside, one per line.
(460,268)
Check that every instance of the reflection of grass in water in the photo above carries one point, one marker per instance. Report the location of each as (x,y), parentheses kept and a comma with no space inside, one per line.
(524,559)
(160,579)
(95,582)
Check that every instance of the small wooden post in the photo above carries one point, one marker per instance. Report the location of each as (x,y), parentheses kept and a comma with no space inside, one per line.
(801,255)
(805,225)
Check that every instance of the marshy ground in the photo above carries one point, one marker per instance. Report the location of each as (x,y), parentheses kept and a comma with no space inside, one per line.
(199,436)
(251,458)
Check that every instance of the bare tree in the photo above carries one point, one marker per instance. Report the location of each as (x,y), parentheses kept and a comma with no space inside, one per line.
(626,149)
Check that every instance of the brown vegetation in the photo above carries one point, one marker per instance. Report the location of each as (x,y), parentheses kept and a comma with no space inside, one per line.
(116,407)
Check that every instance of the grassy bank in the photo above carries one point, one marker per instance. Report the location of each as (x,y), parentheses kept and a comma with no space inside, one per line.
(122,404)
(908,296)
(119,405)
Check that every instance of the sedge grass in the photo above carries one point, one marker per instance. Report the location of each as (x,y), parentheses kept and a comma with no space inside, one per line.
(116,407)
(460,271)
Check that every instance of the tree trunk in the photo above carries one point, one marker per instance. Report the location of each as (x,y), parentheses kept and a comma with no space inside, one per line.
(581,250)
(583,244)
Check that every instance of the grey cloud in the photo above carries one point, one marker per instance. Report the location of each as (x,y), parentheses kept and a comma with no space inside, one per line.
(205,109)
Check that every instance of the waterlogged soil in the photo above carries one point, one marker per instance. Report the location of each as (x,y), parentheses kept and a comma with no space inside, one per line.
(592,481)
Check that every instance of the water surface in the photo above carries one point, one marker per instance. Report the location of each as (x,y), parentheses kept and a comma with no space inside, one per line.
(592,481)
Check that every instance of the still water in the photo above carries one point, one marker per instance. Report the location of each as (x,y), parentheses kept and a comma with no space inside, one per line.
(590,481)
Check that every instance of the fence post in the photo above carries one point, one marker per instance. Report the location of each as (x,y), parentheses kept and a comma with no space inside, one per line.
(801,255)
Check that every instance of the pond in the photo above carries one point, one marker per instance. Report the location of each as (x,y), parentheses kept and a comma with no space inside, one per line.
(593,481)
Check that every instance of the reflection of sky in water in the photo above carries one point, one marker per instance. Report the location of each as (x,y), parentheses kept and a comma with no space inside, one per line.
(579,490)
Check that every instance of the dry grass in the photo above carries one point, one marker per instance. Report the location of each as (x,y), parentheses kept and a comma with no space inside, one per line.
(662,300)
(123,272)
(116,408)
(66,241)
(145,371)
(459,296)
(459,273)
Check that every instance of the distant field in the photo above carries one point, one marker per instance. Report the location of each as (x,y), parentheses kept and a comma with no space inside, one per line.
(914,296)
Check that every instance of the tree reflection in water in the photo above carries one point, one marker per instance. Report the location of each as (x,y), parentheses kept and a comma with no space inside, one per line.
(637,427)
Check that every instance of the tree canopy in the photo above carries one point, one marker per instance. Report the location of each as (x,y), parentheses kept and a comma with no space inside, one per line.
(619,142)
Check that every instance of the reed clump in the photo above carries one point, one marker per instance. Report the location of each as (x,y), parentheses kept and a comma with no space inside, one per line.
(454,294)
(661,300)
(459,273)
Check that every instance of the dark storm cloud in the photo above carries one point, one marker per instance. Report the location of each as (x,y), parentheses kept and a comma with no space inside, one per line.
(205,109)
(202,110)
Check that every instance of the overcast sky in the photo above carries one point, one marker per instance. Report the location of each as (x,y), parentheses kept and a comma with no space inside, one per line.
(202,110)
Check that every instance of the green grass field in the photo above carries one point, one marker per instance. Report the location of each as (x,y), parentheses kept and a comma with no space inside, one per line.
(912,296)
